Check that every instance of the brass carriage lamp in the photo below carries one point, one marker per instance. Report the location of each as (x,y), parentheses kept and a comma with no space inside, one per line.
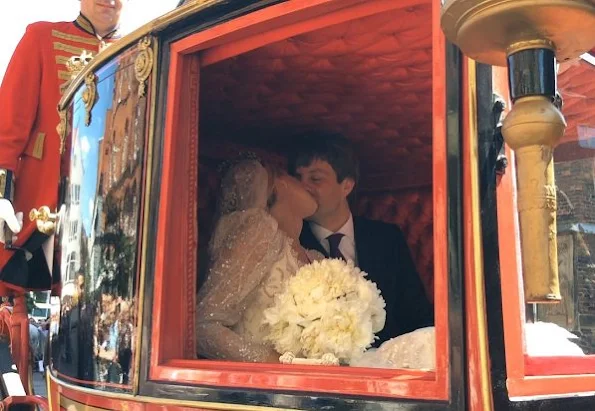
(528,37)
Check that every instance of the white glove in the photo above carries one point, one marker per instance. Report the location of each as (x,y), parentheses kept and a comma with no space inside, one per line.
(10,220)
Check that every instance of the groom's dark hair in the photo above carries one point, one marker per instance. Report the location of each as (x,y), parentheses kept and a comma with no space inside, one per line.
(333,148)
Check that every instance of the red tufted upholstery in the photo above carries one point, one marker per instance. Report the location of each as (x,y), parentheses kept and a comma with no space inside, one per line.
(370,79)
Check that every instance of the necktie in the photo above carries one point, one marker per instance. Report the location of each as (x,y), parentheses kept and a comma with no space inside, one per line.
(334,240)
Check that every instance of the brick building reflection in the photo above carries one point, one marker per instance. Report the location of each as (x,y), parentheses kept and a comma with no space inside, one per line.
(116,213)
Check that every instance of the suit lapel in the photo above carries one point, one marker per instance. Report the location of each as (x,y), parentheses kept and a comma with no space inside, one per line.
(363,244)
(308,240)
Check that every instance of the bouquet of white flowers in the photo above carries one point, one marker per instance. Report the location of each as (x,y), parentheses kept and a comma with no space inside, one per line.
(328,307)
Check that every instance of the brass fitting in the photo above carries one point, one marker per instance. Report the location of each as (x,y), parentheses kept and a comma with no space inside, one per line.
(46,220)
(532,129)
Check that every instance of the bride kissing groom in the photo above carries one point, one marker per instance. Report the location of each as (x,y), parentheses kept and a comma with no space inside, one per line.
(261,240)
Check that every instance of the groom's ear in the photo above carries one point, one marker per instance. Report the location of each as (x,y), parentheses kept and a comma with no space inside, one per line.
(347,185)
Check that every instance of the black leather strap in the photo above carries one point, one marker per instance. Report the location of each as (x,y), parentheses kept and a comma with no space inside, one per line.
(7,184)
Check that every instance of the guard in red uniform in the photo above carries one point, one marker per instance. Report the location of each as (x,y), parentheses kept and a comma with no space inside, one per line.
(29,142)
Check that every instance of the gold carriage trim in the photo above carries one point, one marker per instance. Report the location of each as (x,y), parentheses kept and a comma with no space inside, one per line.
(89,96)
(76,64)
(64,86)
(143,64)
(72,37)
(45,220)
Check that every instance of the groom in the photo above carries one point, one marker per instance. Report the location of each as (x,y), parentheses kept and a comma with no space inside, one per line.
(327,167)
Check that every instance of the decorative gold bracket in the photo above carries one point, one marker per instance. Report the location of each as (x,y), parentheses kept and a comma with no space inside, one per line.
(76,64)
(62,128)
(143,65)
(89,96)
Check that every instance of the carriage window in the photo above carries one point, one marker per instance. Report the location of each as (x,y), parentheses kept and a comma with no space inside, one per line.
(94,324)
(300,126)
(286,219)
(570,324)
(556,340)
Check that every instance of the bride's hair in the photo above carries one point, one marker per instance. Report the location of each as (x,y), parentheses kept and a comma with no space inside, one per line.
(273,173)
(247,182)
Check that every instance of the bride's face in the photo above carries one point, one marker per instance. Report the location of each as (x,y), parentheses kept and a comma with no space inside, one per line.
(291,193)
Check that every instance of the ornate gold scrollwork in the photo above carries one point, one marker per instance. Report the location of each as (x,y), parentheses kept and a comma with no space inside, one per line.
(89,96)
(61,128)
(76,64)
(46,220)
(143,65)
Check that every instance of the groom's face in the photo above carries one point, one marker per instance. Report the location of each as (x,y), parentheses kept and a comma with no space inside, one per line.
(320,179)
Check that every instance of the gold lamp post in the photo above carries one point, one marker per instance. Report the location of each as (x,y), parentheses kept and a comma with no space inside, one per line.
(528,37)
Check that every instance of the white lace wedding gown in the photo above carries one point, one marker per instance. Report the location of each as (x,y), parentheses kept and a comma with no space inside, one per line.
(252,261)
(414,350)
(417,350)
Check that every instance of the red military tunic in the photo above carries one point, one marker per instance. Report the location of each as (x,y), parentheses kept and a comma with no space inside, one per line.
(29,142)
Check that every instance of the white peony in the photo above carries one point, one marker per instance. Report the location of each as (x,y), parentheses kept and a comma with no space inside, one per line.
(327,307)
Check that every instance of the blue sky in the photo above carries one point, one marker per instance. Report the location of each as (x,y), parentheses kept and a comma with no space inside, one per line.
(89,140)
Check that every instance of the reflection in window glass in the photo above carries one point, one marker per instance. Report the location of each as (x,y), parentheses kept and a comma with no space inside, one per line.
(94,333)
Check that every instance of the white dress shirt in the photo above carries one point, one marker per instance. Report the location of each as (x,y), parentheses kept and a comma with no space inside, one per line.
(347,244)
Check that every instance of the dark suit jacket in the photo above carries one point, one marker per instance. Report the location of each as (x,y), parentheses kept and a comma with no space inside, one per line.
(382,252)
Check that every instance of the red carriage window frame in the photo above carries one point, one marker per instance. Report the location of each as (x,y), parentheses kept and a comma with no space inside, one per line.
(172,340)
(528,376)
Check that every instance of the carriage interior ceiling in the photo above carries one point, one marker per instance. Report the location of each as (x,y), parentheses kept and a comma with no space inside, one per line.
(369,79)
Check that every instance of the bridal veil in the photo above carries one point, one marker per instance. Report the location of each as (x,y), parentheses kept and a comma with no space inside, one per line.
(245,245)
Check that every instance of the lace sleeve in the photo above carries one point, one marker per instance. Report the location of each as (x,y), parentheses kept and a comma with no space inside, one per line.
(314,255)
(245,246)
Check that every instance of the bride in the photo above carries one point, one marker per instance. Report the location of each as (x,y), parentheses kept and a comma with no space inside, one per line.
(254,250)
